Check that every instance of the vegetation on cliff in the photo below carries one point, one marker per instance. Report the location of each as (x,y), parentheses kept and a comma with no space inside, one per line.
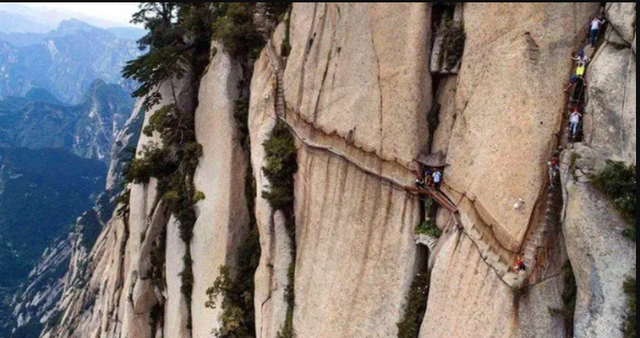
(618,182)
(178,42)
(281,165)
(453,43)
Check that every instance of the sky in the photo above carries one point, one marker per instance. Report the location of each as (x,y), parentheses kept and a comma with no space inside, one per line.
(118,12)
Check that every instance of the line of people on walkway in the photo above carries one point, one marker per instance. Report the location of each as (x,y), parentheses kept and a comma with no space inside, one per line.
(579,84)
(431,177)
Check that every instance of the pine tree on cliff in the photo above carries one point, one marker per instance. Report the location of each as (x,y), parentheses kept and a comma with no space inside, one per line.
(179,36)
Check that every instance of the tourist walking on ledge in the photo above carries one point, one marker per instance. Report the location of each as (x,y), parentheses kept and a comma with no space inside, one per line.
(595,30)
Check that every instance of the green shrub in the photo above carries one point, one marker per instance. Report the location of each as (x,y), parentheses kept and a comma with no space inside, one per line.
(281,165)
(453,43)
(156,316)
(285,49)
(198,196)
(429,228)
(618,182)
(416,306)
(629,324)
(241,115)
(233,27)
(186,277)
(153,162)
(158,260)
(236,321)
(286,331)
(178,37)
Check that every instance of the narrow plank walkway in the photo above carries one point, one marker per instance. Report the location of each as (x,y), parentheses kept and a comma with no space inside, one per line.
(497,259)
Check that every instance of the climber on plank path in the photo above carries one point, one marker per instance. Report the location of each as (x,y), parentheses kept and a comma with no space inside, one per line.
(595,30)
(519,267)
(437,179)
(554,169)
(581,58)
(574,120)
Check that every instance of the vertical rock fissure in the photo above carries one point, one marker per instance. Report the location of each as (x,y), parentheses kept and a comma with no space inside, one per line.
(418,297)
(281,165)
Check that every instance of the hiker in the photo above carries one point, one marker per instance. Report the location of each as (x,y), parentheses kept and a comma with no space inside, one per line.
(427,174)
(581,58)
(595,30)
(553,172)
(520,267)
(420,179)
(580,70)
(437,179)
(574,121)
(572,81)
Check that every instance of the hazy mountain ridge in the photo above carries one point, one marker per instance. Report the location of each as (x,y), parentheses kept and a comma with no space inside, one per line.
(64,61)
(88,129)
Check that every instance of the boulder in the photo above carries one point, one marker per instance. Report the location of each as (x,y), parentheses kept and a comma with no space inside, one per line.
(622,16)
(610,119)
(601,257)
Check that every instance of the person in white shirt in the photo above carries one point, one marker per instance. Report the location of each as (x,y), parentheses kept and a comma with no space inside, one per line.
(595,30)
(437,179)
(581,58)
(574,120)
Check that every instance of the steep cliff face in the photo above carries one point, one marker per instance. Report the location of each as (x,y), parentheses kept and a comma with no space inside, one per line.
(356,81)
(223,216)
(602,258)
(110,291)
(506,107)
(356,94)
(98,298)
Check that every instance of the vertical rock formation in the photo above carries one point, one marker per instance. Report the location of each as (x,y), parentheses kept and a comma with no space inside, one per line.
(356,81)
(601,257)
(508,103)
(118,298)
(223,218)
(355,92)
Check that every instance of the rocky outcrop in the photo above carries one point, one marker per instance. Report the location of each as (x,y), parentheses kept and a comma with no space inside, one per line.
(107,292)
(363,247)
(508,104)
(45,285)
(622,16)
(610,117)
(601,257)
(271,276)
(176,309)
(120,264)
(223,217)
(355,93)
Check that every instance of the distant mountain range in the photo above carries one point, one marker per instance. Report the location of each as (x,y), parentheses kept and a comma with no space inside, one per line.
(88,129)
(63,105)
(42,192)
(16,18)
(66,60)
